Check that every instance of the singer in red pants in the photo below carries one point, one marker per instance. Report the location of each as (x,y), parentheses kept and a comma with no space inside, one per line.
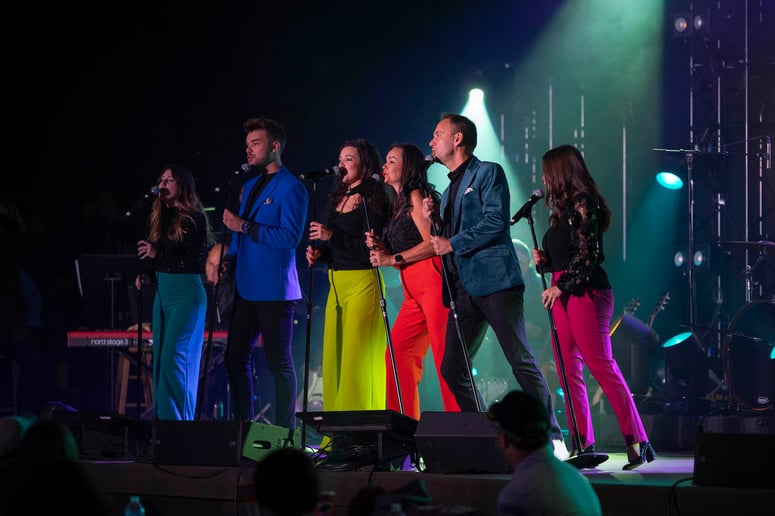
(421,322)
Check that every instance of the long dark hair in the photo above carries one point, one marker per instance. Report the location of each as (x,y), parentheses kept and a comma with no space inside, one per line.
(189,205)
(414,175)
(566,175)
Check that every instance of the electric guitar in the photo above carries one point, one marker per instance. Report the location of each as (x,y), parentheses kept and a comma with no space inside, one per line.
(628,310)
(661,302)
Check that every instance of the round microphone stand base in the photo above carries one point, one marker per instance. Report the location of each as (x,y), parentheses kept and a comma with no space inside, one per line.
(587,460)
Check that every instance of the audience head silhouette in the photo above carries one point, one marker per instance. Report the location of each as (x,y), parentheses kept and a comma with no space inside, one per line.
(286,483)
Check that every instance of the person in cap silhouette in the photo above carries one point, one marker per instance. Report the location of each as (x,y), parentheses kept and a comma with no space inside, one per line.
(540,483)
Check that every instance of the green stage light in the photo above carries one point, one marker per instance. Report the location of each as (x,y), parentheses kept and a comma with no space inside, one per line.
(669,180)
(476,95)
(678,339)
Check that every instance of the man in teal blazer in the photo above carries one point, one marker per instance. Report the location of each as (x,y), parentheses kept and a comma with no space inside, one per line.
(484,278)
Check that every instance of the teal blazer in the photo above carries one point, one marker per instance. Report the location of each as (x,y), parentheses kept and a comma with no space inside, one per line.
(484,253)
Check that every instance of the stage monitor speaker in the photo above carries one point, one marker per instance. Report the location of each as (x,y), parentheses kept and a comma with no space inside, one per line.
(734,460)
(261,439)
(217,443)
(360,438)
(102,436)
(459,442)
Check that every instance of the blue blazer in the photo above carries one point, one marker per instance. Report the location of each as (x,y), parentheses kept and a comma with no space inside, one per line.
(484,253)
(265,268)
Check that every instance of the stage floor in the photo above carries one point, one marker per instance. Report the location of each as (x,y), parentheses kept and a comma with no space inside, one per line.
(665,486)
(710,465)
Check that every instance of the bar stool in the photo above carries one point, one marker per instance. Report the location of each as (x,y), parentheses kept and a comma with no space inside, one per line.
(126,376)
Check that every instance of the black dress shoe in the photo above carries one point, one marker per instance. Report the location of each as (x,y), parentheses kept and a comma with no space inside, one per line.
(647,454)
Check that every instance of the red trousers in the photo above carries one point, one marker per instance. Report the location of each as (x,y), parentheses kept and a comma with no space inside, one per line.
(583,325)
(421,323)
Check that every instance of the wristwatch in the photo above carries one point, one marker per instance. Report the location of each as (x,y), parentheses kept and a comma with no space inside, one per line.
(398,258)
(246,226)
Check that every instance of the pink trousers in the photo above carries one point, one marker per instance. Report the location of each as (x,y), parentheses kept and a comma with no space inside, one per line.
(583,331)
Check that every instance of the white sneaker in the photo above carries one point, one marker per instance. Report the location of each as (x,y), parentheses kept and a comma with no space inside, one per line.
(560,450)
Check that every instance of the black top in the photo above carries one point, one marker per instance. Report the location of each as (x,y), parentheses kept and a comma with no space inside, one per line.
(574,244)
(448,216)
(402,233)
(187,256)
(346,249)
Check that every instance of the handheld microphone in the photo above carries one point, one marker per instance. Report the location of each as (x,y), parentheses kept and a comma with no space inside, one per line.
(317,174)
(524,211)
(357,189)
(154,191)
(244,168)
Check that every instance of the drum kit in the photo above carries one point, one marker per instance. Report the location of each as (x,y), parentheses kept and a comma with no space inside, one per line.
(748,352)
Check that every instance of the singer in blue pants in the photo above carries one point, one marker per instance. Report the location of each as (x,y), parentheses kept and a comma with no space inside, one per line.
(180,304)
(174,254)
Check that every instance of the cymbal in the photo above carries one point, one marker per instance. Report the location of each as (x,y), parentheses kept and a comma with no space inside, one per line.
(761,245)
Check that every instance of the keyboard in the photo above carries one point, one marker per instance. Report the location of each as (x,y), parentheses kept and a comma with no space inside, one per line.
(123,339)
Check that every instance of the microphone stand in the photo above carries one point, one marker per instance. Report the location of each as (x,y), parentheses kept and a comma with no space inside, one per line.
(383,308)
(141,202)
(139,387)
(212,310)
(436,231)
(583,459)
(139,357)
(310,305)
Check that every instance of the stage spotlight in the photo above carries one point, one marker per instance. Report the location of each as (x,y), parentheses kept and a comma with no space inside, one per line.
(476,95)
(701,257)
(677,340)
(699,22)
(680,24)
(679,259)
(686,24)
(669,180)
(686,374)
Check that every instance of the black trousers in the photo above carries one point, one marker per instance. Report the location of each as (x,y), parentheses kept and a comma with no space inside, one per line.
(273,322)
(503,311)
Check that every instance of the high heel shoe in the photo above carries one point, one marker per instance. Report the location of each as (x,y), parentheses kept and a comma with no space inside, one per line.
(646,454)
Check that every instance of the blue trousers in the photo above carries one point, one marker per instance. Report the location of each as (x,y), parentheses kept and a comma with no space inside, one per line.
(179,313)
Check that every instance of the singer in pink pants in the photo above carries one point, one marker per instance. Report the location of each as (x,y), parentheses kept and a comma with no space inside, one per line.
(581,299)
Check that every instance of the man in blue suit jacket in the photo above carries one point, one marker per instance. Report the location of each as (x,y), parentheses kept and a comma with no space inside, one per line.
(484,278)
(266,232)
